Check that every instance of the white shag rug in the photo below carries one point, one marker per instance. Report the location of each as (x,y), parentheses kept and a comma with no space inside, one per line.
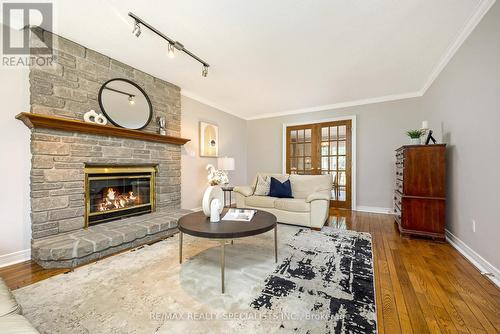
(148,291)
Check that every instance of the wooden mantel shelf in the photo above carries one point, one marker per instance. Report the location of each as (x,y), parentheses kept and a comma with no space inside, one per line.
(65,124)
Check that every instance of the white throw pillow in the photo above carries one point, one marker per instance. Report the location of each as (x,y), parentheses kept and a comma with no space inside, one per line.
(263,186)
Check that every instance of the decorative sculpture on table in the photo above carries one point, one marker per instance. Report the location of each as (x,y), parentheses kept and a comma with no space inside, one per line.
(212,203)
(214,197)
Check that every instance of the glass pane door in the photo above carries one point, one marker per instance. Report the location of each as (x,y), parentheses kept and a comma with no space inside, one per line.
(334,159)
(300,150)
(323,148)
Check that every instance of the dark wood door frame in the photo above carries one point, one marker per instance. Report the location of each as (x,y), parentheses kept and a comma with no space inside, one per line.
(352,118)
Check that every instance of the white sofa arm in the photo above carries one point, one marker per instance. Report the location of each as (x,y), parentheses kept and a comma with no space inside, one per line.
(244,190)
(324,195)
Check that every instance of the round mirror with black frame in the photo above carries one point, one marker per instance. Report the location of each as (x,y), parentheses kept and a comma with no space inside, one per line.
(125,104)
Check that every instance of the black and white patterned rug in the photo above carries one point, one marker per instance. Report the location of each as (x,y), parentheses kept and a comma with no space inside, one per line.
(325,285)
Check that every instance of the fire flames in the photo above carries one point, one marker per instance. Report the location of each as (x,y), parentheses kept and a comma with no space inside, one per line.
(114,200)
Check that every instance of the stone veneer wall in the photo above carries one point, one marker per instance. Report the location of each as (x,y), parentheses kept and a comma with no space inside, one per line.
(69,89)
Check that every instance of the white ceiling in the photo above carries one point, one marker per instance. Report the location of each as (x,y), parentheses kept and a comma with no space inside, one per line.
(276,56)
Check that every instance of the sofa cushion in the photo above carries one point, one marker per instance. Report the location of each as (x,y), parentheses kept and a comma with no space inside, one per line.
(280,189)
(8,304)
(304,185)
(292,204)
(280,177)
(260,201)
(263,185)
(16,324)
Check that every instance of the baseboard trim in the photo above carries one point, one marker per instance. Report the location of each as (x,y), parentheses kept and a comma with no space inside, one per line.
(16,257)
(477,260)
(374,209)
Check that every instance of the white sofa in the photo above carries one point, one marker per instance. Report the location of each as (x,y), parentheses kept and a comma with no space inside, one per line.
(310,204)
(11,320)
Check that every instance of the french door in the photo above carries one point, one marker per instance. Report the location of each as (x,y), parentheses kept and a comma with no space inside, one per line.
(323,148)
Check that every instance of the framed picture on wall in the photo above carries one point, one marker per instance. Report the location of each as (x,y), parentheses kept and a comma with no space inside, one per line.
(209,140)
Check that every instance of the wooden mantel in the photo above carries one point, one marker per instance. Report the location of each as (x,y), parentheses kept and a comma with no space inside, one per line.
(65,124)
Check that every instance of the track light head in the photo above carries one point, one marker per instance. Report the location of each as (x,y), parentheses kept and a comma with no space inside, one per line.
(171,50)
(131,100)
(137,29)
(204,71)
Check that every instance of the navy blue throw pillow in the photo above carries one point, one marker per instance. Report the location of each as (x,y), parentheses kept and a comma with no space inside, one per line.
(280,190)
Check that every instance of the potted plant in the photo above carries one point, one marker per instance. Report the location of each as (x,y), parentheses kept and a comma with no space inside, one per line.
(415,136)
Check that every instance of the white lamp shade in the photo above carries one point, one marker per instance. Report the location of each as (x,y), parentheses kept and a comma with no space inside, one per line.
(225,163)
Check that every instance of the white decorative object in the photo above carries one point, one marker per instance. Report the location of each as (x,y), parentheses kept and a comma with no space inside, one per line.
(101,119)
(93,117)
(90,116)
(216,177)
(215,206)
(162,125)
(425,125)
(212,193)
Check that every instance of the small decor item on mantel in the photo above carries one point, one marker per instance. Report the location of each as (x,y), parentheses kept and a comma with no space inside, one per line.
(415,136)
(216,177)
(93,117)
(162,125)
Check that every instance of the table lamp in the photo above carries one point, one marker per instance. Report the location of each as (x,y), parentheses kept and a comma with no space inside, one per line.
(226,164)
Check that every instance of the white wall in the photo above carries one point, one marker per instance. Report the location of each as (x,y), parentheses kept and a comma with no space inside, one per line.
(232,143)
(463,104)
(380,130)
(15,224)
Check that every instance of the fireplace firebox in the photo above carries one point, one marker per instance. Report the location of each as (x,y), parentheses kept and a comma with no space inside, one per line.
(116,192)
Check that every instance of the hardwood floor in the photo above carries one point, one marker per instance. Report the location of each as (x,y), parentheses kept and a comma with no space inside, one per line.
(421,286)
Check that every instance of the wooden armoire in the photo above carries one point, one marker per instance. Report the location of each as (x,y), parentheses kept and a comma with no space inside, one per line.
(420,194)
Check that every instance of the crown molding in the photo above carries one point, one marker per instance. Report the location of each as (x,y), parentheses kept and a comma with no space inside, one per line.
(338,105)
(209,103)
(483,7)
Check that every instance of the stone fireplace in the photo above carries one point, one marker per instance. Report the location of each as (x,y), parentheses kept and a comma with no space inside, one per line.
(93,192)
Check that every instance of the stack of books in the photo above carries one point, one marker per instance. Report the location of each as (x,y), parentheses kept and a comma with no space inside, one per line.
(239,215)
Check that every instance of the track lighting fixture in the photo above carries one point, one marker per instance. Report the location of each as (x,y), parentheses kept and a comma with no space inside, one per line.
(172,45)
(171,49)
(137,29)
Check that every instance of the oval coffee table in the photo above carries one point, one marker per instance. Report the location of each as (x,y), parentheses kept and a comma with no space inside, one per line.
(198,225)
